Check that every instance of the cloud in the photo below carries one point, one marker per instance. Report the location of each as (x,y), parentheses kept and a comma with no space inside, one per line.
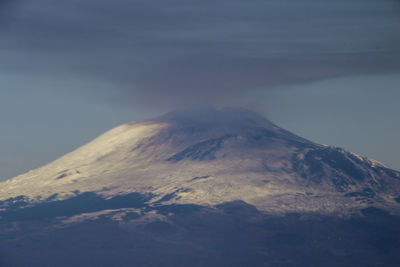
(5,6)
(5,2)
(184,52)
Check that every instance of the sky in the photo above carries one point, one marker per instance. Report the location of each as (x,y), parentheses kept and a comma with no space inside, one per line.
(70,70)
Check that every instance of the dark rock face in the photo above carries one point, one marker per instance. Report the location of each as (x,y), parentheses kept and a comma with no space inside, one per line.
(317,161)
(204,150)
(342,169)
(230,234)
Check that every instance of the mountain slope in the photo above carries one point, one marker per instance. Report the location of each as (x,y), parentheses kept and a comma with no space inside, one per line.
(209,157)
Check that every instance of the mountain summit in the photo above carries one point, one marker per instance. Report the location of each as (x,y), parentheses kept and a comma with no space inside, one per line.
(209,157)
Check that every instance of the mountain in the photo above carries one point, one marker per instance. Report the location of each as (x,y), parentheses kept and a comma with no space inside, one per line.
(199,181)
(208,157)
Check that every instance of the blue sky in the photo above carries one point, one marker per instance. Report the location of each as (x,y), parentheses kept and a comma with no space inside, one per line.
(326,70)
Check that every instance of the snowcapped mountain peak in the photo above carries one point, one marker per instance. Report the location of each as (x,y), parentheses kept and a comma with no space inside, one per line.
(212,156)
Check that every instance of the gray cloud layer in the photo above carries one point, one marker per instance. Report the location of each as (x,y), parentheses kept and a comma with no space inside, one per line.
(182,52)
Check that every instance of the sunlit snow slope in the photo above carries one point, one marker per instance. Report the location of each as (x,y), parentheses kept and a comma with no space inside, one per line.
(212,156)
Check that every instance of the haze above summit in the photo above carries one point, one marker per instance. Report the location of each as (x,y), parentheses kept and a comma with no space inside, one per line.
(328,71)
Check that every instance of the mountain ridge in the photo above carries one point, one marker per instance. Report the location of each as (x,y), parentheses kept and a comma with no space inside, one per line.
(210,157)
